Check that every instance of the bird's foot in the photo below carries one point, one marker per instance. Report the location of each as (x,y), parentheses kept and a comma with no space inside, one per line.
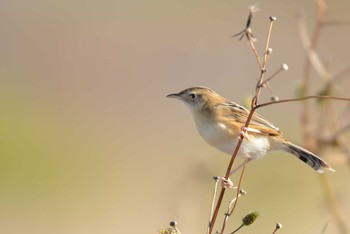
(244,133)
(226,183)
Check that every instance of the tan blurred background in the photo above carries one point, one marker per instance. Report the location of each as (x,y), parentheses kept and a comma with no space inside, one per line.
(90,144)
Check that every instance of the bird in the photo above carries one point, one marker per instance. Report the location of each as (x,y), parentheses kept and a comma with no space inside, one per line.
(221,123)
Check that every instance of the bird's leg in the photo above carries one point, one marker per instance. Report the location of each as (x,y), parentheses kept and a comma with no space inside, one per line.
(247,159)
(227,183)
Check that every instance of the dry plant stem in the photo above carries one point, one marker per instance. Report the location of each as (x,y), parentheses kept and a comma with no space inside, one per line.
(225,220)
(331,200)
(310,48)
(237,229)
(238,190)
(306,110)
(213,201)
(324,229)
(272,19)
(254,103)
(302,99)
(271,77)
(222,193)
(252,45)
(234,201)
(312,60)
(327,121)
(221,196)
(324,179)
(252,10)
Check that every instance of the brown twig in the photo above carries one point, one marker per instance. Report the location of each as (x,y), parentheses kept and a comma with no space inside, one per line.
(216,178)
(222,193)
(302,99)
(309,45)
(240,192)
(284,67)
(242,225)
(312,59)
(266,56)
(254,104)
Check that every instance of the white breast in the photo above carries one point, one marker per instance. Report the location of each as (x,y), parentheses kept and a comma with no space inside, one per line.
(220,136)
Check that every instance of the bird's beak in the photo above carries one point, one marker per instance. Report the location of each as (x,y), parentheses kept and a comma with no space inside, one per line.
(173,95)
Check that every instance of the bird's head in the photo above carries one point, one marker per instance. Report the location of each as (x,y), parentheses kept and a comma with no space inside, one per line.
(197,98)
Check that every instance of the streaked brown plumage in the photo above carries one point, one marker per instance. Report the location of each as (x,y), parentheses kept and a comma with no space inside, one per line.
(220,122)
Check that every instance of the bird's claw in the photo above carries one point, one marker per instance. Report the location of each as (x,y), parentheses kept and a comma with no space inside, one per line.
(244,133)
(226,183)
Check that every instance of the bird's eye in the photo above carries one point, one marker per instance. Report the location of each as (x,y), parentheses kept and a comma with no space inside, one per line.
(193,96)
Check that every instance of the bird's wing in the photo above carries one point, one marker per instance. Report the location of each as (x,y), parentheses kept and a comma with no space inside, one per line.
(240,114)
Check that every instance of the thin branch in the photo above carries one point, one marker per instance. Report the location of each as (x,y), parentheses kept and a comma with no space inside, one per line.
(272,19)
(250,38)
(309,47)
(213,201)
(238,190)
(228,213)
(302,99)
(252,10)
(222,193)
(324,229)
(309,137)
(242,225)
(254,102)
(331,200)
(306,111)
(312,60)
(284,67)
(321,7)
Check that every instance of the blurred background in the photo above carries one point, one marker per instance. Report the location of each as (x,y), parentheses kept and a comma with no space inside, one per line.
(90,144)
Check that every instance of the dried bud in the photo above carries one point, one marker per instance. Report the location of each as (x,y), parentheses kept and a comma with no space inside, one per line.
(278,225)
(173,223)
(171,230)
(273,18)
(274,98)
(250,218)
(242,192)
(285,66)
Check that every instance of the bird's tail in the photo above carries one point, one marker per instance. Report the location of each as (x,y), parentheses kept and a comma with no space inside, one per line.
(307,157)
